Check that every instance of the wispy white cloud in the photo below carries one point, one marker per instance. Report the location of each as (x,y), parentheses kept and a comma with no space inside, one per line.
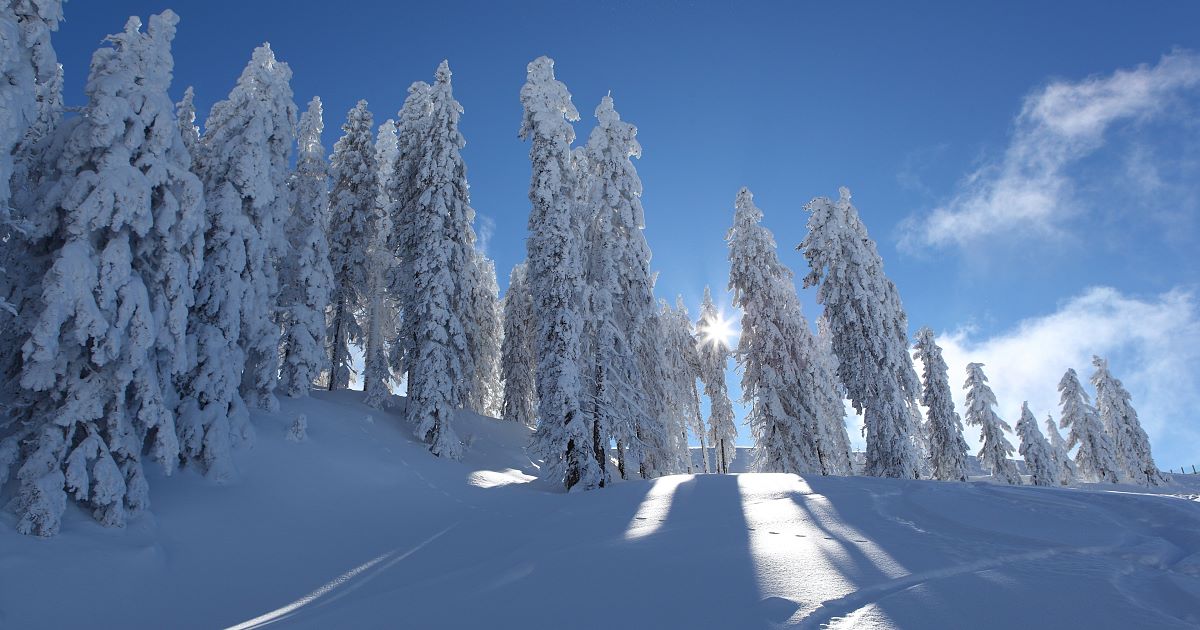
(485,228)
(1028,189)
(1153,346)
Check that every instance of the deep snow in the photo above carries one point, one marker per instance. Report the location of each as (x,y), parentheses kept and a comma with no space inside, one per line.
(360,527)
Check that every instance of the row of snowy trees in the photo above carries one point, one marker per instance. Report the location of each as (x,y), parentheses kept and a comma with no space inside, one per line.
(159,283)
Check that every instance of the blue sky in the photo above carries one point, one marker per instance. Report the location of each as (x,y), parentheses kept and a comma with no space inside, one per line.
(1031,171)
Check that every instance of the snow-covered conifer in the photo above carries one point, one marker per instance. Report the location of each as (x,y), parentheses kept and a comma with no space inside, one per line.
(681,408)
(784,412)
(379,308)
(981,412)
(485,335)
(947,448)
(1058,451)
(869,331)
(620,297)
(1039,458)
(1120,420)
(298,432)
(403,193)
(714,354)
(306,273)
(564,439)
(243,161)
(111,329)
(441,364)
(1096,458)
(352,225)
(518,363)
(832,394)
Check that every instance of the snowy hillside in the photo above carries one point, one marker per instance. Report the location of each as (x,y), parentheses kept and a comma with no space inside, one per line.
(359,526)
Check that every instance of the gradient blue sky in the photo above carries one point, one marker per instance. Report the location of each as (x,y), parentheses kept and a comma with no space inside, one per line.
(917,107)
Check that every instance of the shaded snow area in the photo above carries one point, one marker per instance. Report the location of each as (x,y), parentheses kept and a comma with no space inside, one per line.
(357,526)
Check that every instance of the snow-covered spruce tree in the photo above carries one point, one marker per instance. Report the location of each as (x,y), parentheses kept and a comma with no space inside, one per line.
(31,102)
(185,113)
(714,354)
(1058,450)
(352,225)
(832,393)
(518,364)
(1039,459)
(1120,420)
(442,360)
(243,161)
(403,193)
(618,276)
(947,448)
(869,330)
(783,414)
(1096,459)
(306,273)
(680,406)
(564,439)
(111,331)
(379,308)
(485,329)
(981,412)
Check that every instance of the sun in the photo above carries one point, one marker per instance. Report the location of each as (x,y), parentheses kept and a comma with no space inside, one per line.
(719,331)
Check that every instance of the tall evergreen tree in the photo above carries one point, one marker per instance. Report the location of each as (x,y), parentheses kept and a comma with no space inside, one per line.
(681,408)
(564,439)
(784,413)
(111,332)
(714,354)
(379,308)
(948,449)
(1039,459)
(442,361)
(352,225)
(832,394)
(869,331)
(1058,451)
(518,355)
(618,279)
(307,274)
(185,113)
(1120,420)
(403,194)
(1096,458)
(981,403)
(243,162)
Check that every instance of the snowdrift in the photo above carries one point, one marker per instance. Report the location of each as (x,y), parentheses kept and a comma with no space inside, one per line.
(358,526)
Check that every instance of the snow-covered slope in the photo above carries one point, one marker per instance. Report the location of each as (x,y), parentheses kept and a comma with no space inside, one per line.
(360,527)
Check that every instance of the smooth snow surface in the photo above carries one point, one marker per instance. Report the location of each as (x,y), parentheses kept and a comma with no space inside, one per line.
(360,527)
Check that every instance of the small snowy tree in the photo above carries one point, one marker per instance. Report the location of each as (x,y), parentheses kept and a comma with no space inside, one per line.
(981,403)
(868,326)
(243,162)
(784,411)
(1058,451)
(483,312)
(185,113)
(1120,420)
(352,225)
(713,355)
(1039,458)
(948,449)
(111,333)
(564,438)
(307,275)
(1095,460)
(518,363)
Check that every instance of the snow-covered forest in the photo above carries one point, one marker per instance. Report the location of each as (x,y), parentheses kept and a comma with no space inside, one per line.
(256,367)
(162,279)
